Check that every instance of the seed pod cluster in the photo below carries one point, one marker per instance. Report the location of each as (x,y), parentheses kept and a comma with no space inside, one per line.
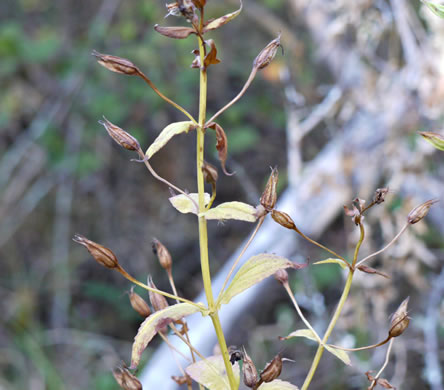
(101,254)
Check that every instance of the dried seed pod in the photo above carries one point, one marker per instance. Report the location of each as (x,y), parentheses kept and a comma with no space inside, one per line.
(267,54)
(158,301)
(281,276)
(119,135)
(174,32)
(380,194)
(235,354)
(182,380)
(116,64)
(102,255)
(370,270)
(272,369)
(188,10)
(162,254)
(283,219)
(210,173)
(249,371)
(419,212)
(126,380)
(269,196)
(400,320)
(139,304)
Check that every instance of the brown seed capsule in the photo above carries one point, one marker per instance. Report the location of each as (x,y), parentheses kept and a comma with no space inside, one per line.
(272,369)
(102,255)
(249,371)
(139,304)
(283,219)
(119,135)
(281,276)
(210,173)
(162,254)
(269,196)
(380,194)
(158,301)
(182,380)
(400,320)
(126,380)
(419,212)
(267,54)
(116,64)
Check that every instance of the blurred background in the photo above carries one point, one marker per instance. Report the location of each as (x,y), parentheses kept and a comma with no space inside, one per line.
(338,114)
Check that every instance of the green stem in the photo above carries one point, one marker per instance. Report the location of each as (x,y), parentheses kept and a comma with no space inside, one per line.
(336,315)
(203,233)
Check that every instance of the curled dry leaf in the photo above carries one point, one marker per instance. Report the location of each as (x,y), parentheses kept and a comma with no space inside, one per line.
(175,32)
(219,22)
(211,57)
(154,323)
(221,145)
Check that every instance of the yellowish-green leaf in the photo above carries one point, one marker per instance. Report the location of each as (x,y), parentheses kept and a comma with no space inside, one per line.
(211,373)
(156,321)
(184,203)
(340,354)
(307,333)
(253,271)
(436,8)
(332,261)
(232,210)
(277,384)
(219,22)
(436,139)
(166,134)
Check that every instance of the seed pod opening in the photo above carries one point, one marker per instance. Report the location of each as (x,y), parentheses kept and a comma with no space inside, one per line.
(119,135)
(267,54)
(249,371)
(116,64)
(269,196)
(101,254)
(419,212)
(400,320)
